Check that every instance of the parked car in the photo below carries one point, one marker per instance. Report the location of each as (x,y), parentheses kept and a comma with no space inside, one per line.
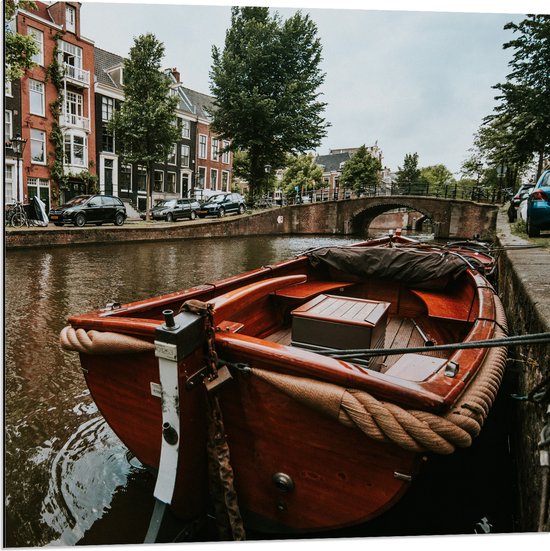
(221,204)
(174,209)
(538,206)
(90,209)
(516,200)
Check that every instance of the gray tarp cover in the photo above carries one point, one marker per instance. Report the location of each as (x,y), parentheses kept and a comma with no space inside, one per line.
(413,267)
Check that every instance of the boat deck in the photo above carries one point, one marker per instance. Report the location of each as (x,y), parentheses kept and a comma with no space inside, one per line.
(400,333)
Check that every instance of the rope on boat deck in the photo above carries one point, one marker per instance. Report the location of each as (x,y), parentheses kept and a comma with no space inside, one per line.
(99,342)
(413,430)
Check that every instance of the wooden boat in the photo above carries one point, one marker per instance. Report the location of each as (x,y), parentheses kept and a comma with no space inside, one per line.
(255,382)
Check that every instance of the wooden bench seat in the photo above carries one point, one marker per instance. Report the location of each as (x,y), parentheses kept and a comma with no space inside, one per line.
(310,289)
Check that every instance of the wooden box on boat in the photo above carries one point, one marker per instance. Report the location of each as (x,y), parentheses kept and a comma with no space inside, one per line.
(340,322)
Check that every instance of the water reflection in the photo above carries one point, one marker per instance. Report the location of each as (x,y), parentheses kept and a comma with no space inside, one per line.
(63,465)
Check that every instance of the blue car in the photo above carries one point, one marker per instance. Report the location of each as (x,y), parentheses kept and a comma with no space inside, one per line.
(538,206)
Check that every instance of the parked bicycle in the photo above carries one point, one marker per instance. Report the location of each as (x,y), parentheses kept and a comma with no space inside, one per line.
(16,215)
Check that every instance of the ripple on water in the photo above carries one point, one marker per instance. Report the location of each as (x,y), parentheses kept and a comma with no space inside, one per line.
(85,474)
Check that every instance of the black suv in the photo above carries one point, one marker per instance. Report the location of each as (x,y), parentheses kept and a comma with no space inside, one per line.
(172,209)
(90,209)
(221,204)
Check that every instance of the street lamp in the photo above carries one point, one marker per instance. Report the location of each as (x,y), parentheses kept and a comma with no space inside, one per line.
(18,146)
(267,170)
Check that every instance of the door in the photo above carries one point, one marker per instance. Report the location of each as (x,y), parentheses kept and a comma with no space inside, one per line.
(108,209)
(108,169)
(94,210)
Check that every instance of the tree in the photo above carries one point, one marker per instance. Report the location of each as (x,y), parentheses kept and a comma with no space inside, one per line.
(524,111)
(362,172)
(408,177)
(19,49)
(436,179)
(145,124)
(301,173)
(265,84)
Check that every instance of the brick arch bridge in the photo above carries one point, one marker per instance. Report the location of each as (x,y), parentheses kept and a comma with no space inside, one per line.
(451,218)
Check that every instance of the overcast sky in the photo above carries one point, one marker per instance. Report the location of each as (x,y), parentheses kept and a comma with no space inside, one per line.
(413,81)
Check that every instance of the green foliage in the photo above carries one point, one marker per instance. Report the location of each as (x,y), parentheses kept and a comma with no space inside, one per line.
(408,177)
(435,179)
(302,172)
(520,125)
(144,123)
(19,49)
(265,84)
(361,172)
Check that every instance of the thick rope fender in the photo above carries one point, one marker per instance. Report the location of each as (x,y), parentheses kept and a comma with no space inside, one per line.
(97,342)
(414,430)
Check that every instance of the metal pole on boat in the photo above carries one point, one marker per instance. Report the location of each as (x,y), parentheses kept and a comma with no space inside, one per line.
(174,340)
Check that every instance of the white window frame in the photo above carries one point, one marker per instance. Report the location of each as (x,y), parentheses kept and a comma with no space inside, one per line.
(215,149)
(36,90)
(185,128)
(107,108)
(70,19)
(225,175)
(201,170)
(141,170)
(172,158)
(38,137)
(226,153)
(214,171)
(161,190)
(8,88)
(203,146)
(174,174)
(185,153)
(126,166)
(8,124)
(10,189)
(73,53)
(38,36)
(71,158)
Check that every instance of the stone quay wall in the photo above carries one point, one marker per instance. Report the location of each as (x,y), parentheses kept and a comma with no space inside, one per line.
(524,287)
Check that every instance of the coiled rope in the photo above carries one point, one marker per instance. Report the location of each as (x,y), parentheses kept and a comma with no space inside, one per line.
(98,342)
(413,430)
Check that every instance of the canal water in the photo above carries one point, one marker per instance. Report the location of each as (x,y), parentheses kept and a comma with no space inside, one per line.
(68,480)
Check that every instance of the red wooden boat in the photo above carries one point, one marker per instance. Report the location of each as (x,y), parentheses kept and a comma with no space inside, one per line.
(267,382)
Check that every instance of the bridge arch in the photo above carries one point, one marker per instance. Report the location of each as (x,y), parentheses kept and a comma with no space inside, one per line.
(362,219)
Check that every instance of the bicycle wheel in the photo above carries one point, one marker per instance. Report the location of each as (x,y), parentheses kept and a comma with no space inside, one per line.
(19,219)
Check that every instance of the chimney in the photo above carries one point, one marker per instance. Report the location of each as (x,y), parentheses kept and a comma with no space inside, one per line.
(176,74)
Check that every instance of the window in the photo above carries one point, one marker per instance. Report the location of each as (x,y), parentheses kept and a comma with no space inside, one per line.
(107,142)
(172,156)
(107,107)
(202,177)
(185,128)
(184,154)
(73,108)
(8,89)
(9,183)
(38,147)
(225,156)
(225,181)
(36,97)
(158,183)
(213,179)
(215,149)
(8,125)
(141,178)
(171,182)
(70,18)
(71,57)
(125,177)
(38,36)
(202,146)
(76,150)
